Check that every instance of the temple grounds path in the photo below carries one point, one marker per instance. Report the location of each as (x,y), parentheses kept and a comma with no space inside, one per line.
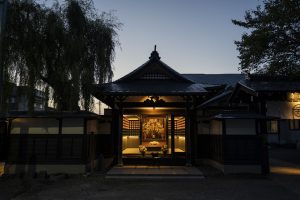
(282,183)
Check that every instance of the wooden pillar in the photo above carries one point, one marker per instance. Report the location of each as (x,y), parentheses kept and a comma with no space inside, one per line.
(7,140)
(172,134)
(3,140)
(120,137)
(188,135)
(141,130)
(167,132)
(265,165)
(221,155)
(85,143)
(194,135)
(59,139)
(114,130)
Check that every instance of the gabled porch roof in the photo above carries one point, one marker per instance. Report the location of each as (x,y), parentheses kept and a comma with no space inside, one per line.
(152,78)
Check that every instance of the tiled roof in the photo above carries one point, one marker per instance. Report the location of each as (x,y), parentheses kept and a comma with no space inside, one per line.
(216,79)
(51,114)
(153,87)
(271,86)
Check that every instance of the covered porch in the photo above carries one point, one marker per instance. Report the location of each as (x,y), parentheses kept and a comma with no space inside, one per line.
(152,112)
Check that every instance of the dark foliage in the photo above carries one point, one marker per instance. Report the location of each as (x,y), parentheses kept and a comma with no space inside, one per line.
(62,49)
(272,44)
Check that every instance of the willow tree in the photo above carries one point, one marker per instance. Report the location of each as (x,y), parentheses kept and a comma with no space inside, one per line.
(63,49)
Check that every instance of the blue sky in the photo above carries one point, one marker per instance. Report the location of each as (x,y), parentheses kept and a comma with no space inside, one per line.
(192,36)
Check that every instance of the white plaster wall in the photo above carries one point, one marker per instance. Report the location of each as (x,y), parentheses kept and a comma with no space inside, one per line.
(216,127)
(273,138)
(34,126)
(282,109)
(287,135)
(179,143)
(72,126)
(92,126)
(203,128)
(130,142)
(240,127)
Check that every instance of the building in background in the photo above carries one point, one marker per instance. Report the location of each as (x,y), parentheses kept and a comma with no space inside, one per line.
(18,99)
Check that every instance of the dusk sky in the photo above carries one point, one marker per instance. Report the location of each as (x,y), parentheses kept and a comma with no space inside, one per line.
(192,36)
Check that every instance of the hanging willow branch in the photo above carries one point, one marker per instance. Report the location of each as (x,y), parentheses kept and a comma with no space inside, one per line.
(63,49)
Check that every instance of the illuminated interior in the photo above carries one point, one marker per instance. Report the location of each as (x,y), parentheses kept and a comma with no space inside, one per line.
(179,134)
(153,133)
(293,96)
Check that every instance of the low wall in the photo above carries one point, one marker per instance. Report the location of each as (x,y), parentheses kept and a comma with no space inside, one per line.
(50,169)
(230,153)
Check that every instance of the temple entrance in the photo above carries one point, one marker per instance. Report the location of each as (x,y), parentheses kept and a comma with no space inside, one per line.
(153,112)
(153,136)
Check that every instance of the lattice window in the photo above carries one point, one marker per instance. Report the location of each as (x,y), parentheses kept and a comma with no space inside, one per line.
(180,126)
(155,76)
(134,127)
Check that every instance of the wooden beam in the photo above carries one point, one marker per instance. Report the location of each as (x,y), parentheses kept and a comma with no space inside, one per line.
(156,111)
(59,139)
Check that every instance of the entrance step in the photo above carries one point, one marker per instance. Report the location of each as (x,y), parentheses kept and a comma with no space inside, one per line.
(154,172)
(154,161)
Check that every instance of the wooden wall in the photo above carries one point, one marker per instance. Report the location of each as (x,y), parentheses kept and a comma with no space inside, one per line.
(58,148)
(210,147)
(230,149)
(40,148)
(3,140)
(242,149)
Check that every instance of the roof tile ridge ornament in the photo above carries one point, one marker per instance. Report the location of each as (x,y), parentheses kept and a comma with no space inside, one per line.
(154,55)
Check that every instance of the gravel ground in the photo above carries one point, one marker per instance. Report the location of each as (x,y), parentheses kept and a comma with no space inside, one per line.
(214,186)
(97,187)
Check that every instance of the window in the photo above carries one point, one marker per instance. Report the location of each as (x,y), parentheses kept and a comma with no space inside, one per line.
(134,127)
(272,126)
(294,124)
(155,76)
(131,127)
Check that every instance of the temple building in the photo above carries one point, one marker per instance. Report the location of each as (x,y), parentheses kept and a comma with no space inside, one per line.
(156,109)
(158,116)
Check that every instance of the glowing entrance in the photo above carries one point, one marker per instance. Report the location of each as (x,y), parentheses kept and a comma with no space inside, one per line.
(145,135)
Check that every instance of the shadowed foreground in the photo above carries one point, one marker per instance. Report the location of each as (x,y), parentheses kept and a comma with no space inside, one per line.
(282,183)
(96,187)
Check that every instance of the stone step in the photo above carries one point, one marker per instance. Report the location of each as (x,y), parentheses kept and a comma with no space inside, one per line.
(154,172)
(154,177)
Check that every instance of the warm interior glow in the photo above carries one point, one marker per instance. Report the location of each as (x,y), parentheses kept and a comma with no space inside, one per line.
(154,130)
(130,137)
(293,96)
(286,170)
(1,168)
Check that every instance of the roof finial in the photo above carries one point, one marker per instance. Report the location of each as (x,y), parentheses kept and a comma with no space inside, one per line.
(154,54)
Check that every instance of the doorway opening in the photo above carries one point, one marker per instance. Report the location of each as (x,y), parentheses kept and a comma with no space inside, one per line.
(153,135)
